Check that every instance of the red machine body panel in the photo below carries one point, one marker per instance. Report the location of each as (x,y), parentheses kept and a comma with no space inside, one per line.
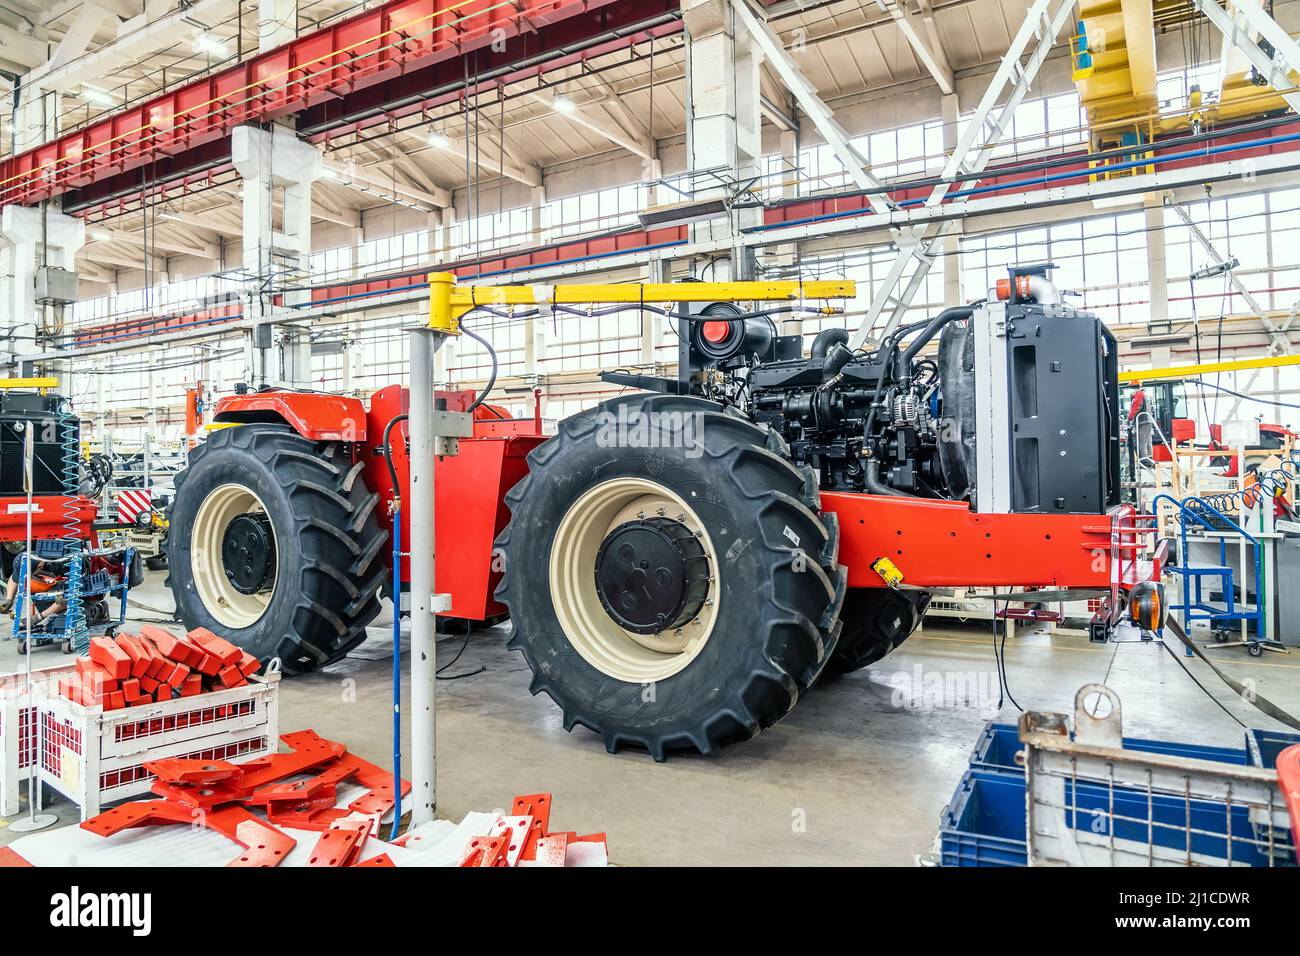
(469,493)
(314,415)
(946,544)
(50,517)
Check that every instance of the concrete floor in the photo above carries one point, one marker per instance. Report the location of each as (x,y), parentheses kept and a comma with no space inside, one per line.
(857,774)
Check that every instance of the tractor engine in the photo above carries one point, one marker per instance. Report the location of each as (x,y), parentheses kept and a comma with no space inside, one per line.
(1017,411)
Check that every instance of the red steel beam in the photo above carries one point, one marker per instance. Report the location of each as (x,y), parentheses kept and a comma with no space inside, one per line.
(338,61)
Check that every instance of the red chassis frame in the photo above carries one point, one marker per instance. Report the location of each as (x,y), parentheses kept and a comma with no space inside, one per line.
(936,544)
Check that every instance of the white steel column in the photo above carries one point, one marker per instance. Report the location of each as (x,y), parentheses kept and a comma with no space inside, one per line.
(952,293)
(30,237)
(1157,267)
(276,163)
(424,667)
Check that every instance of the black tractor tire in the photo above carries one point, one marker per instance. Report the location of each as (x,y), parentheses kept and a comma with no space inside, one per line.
(876,620)
(773,573)
(157,562)
(329,546)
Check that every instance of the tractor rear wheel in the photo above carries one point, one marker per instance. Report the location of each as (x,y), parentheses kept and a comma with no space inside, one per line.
(876,620)
(669,578)
(275,545)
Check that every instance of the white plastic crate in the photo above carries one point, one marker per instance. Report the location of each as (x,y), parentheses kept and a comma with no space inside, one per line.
(94,757)
(17,733)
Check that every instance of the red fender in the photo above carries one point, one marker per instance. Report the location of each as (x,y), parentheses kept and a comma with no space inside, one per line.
(314,415)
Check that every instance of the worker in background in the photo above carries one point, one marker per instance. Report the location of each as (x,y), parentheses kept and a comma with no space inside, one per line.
(49,575)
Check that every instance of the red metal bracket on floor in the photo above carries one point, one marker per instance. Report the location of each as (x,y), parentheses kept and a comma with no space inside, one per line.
(485,852)
(10,857)
(341,844)
(263,844)
(537,806)
(381,860)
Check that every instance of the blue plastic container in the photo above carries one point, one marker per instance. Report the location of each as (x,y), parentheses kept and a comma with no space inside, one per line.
(984,824)
(1263,746)
(999,743)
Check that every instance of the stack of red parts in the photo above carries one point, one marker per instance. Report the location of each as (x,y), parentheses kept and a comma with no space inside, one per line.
(156,665)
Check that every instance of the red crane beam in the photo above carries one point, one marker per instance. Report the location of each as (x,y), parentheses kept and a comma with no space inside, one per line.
(338,61)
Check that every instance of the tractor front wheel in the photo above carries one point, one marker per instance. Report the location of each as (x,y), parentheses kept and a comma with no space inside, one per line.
(670,580)
(275,545)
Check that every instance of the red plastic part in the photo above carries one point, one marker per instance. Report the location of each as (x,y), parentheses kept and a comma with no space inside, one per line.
(1288,778)
(716,332)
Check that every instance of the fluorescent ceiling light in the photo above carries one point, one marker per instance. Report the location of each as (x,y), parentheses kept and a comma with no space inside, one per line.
(98,97)
(207,43)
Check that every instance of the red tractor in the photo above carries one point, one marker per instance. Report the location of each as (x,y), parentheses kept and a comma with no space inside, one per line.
(681,563)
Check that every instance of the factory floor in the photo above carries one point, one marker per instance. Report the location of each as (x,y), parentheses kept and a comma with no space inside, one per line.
(857,774)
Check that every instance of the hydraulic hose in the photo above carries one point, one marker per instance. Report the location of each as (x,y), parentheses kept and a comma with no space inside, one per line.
(872,480)
(931,329)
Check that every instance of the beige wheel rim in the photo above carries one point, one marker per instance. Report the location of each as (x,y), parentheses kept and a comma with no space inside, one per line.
(602,643)
(224,602)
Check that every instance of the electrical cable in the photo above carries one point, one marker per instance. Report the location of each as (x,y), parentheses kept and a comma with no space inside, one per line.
(492,353)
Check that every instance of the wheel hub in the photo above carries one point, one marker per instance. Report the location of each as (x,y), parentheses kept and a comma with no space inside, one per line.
(651,575)
(248,553)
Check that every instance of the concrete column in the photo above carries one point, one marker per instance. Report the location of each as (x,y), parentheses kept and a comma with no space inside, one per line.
(36,118)
(652,170)
(952,291)
(31,237)
(275,162)
(787,255)
(1157,271)
(652,327)
(538,199)
(277,23)
(722,115)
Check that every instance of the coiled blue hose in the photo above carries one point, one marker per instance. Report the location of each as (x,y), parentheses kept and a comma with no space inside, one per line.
(69,428)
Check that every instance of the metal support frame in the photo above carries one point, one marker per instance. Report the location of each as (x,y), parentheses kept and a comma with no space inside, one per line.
(1043,22)
(810,102)
(1280,342)
(1239,28)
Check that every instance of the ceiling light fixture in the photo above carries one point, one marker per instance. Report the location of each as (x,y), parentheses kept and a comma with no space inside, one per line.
(562,104)
(437,140)
(207,43)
